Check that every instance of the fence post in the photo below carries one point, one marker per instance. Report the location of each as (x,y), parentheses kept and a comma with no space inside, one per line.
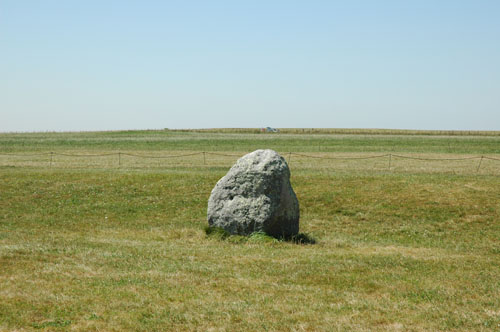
(119,158)
(390,160)
(204,159)
(51,158)
(289,158)
(480,160)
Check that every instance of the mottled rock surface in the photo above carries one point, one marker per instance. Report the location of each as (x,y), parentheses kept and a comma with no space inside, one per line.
(255,196)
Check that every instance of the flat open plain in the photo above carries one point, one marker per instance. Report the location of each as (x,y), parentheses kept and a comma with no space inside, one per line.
(104,231)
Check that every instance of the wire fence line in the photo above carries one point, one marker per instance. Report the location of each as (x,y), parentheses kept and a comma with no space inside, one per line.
(235,155)
(436,159)
(50,157)
(156,157)
(490,158)
(337,158)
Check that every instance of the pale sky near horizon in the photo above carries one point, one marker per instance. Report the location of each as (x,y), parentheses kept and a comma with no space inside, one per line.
(111,65)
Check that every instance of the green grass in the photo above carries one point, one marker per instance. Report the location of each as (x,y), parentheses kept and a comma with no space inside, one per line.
(222,234)
(347,131)
(126,248)
(241,142)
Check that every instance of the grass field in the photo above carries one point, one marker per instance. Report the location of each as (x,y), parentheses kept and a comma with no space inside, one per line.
(347,131)
(101,244)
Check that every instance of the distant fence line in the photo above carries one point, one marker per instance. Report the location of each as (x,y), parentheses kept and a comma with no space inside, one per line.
(51,157)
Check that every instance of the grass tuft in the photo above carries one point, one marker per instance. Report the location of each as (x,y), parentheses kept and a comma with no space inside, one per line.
(261,237)
(54,323)
(257,237)
(216,232)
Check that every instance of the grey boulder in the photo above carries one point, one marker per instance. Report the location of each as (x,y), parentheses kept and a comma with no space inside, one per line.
(255,196)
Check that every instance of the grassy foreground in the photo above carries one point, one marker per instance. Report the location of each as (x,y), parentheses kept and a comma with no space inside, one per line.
(114,249)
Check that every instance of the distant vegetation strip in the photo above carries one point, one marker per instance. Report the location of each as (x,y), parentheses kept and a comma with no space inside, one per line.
(346,131)
(151,142)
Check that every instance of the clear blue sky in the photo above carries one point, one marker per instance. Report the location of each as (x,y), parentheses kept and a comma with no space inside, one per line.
(108,65)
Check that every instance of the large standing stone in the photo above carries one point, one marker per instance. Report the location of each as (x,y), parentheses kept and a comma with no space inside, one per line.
(255,196)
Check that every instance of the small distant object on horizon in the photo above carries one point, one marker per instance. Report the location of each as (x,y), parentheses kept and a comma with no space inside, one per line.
(270,130)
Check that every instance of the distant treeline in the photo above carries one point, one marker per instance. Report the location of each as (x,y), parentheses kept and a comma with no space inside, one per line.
(341,131)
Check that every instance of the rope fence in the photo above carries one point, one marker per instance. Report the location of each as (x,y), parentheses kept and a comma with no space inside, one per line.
(157,157)
(51,159)
(434,159)
(337,158)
